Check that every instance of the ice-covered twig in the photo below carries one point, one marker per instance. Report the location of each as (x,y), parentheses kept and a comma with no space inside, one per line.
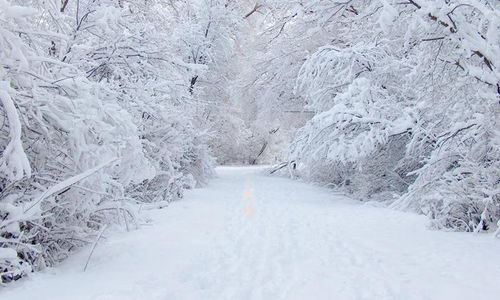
(93,246)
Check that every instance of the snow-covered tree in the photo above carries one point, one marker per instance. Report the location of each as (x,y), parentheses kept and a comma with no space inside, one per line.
(97,116)
(408,99)
(107,104)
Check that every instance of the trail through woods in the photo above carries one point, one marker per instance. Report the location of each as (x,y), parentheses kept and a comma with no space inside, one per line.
(251,236)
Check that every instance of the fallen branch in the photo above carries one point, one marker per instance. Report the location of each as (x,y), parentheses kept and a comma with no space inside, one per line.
(68,182)
(281,166)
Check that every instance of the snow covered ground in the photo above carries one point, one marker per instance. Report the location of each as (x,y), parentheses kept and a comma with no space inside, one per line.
(250,236)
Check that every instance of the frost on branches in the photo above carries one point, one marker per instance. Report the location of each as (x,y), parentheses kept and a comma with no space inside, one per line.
(107,106)
(406,106)
(97,116)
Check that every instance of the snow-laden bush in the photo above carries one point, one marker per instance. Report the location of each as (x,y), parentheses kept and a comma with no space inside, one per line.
(362,124)
(96,117)
(407,104)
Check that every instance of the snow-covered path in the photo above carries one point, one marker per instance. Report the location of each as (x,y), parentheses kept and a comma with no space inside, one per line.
(250,236)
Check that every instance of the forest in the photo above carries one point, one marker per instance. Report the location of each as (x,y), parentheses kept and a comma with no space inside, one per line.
(113,108)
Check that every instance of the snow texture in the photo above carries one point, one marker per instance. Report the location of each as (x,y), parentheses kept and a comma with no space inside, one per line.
(250,236)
